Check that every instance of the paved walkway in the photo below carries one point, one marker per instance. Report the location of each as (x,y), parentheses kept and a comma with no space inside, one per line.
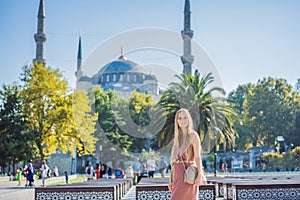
(10,190)
(130,194)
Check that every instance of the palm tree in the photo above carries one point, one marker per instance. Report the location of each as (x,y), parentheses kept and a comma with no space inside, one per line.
(213,115)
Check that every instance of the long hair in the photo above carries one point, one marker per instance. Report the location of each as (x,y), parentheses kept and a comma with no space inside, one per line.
(178,135)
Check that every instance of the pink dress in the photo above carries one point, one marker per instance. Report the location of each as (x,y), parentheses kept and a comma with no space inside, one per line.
(182,190)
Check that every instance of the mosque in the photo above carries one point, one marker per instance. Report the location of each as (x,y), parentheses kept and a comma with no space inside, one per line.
(122,74)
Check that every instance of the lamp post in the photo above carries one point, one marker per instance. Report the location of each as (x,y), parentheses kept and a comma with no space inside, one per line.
(215,156)
(100,149)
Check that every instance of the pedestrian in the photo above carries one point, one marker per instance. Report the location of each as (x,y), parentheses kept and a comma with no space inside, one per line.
(137,171)
(89,171)
(109,172)
(103,172)
(30,173)
(55,171)
(151,166)
(163,166)
(19,175)
(119,173)
(45,171)
(185,152)
(67,177)
(98,171)
(129,172)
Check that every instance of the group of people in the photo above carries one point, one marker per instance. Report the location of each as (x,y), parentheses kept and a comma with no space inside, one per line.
(135,170)
(28,172)
(98,172)
(150,167)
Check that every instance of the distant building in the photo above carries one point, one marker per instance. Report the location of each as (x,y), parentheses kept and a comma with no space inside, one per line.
(121,75)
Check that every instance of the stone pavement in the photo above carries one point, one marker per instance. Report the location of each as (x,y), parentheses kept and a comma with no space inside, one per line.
(10,190)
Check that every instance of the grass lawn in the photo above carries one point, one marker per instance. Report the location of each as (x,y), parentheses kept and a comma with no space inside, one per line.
(75,180)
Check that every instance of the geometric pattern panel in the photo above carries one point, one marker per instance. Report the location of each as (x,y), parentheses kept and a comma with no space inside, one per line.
(269,194)
(155,195)
(166,195)
(206,194)
(74,195)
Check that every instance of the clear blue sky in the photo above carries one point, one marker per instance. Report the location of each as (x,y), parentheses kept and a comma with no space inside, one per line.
(246,39)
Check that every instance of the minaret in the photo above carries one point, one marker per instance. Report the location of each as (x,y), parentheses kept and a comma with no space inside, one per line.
(40,36)
(187,34)
(79,73)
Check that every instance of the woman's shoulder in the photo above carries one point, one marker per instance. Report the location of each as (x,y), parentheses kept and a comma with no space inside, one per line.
(194,136)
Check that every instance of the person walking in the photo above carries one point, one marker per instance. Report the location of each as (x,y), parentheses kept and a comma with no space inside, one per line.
(19,175)
(98,171)
(55,171)
(129,172)
(67,177)
(89,170)
(30,173)
(44,170)
(103,172)
(185,151)
(136,171)
(151,166)
(163,167)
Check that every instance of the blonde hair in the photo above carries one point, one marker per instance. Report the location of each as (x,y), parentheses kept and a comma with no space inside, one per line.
(177,138)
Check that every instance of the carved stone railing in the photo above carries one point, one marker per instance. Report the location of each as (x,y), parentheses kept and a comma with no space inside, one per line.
(257,187)
(157,188)
(266,190)
(97,189)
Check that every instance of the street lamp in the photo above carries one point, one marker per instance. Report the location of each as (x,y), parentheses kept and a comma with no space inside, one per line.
(100,149)
(215,156)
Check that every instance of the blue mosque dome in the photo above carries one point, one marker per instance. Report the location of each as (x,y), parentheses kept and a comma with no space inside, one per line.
(126,76)
(121,65)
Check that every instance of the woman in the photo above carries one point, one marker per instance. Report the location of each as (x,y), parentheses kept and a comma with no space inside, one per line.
(44,170)
(186,151)
(98,171)
(89,170)
(129,172)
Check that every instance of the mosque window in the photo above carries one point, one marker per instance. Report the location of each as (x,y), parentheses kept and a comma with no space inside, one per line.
(128,77)
(114,78)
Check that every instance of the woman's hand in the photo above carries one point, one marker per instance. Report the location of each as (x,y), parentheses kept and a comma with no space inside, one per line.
(198,181)
(170,186)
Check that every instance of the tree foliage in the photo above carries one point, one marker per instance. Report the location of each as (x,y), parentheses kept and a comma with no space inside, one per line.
(213,115)
(115,142)
(15,143)
(268,109)
(84,122)
(49,114)
(140,110)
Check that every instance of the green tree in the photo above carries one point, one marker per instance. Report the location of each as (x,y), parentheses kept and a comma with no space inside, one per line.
(243,142)
(85,122)
(47,107)
(212,113)
(140,109)
(115,142)
(270,111)
(16,145)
